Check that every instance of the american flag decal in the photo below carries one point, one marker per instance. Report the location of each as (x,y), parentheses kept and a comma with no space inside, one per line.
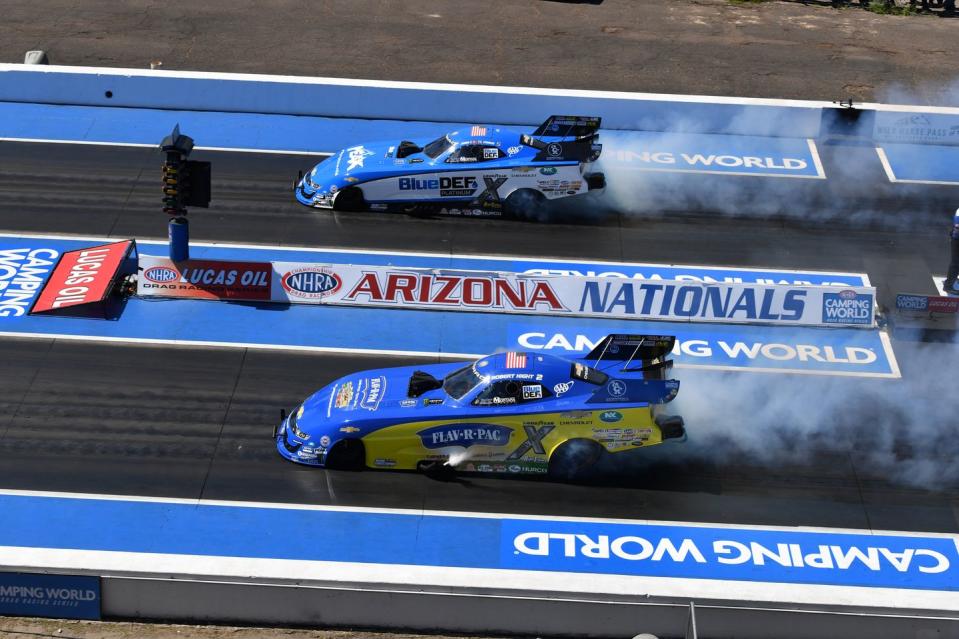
(478,131)
(515,360)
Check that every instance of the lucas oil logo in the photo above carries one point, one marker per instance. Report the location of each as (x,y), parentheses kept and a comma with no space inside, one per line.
(465,435)
(161,274)
(311,282)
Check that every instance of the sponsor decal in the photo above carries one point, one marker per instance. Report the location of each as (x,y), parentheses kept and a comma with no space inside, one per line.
(554,149)
(616,388)
(59,596)
(22,273)
(534,440)
(465,435)
(514,468)
(311,282)
(205,279)
(82,277)
(344,396)
(372,391)
(459,186)
(356,156)
(383,462)
(548,170)
(325,441)
(160,274)
(351,179)
(477,131)
(610,416)
(435,401)
(482,291)
(513,150)
(563,387)
(532,391)
(918,128)
(406,403)
(504,400)
(943,304)
(847,307)
(490,154)
(349,429)
(490,194)
(912,302)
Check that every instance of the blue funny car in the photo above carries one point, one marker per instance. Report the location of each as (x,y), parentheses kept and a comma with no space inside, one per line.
(481,171)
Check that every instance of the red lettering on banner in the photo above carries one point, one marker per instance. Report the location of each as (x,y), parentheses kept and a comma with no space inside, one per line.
(454,290)
(368,285)
(445,294)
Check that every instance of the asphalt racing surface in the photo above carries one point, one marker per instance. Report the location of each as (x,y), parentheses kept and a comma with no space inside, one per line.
(196,422)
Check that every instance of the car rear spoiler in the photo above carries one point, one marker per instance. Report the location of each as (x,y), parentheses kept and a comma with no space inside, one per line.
(578,139)
(646,353)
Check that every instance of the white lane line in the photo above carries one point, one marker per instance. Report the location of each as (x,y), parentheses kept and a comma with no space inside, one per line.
(817,162)
(402,353)
(863,277)
(890,175)
(417,512)
(138,145)
(890,355)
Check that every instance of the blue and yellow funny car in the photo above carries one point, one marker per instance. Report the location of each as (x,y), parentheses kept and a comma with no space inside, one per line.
(481,170)
(509,412)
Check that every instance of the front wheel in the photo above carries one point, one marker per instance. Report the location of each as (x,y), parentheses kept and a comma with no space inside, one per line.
(348,454)
(572,460)
(350,199)
(525,204)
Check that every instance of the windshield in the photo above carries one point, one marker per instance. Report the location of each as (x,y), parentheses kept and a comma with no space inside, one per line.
(460,382)
(437,146)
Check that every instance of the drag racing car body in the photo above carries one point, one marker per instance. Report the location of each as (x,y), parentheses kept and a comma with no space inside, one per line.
(482,170)
(505,413)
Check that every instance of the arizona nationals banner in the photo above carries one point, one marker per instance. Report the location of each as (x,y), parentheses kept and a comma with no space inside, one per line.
(482,291)
(575,296)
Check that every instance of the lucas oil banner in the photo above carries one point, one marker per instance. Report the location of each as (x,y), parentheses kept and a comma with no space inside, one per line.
(204,279)
(573,296)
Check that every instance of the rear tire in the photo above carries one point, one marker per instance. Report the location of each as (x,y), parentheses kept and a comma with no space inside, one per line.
(347,454)
(350,199)
(526,204)
(573,460)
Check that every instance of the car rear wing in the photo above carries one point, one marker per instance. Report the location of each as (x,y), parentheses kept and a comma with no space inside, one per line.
(639,353)
(568,126)
(578,139)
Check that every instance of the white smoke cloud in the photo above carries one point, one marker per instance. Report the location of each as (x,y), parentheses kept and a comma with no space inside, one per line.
(903,431)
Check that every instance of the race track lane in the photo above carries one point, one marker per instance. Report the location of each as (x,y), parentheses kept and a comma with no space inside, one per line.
(195,423)
(115,191)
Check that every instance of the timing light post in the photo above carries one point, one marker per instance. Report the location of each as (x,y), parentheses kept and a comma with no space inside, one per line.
(185,183)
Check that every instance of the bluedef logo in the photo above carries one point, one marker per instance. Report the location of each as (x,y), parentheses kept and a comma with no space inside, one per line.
(846,307)
(465,435)
(447,186)
(311,282)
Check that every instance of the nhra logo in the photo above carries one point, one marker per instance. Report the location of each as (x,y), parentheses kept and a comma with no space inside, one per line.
(465,435)
(161,274)
(311,282)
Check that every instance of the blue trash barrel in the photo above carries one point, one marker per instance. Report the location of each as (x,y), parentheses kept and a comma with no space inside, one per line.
(179,239)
